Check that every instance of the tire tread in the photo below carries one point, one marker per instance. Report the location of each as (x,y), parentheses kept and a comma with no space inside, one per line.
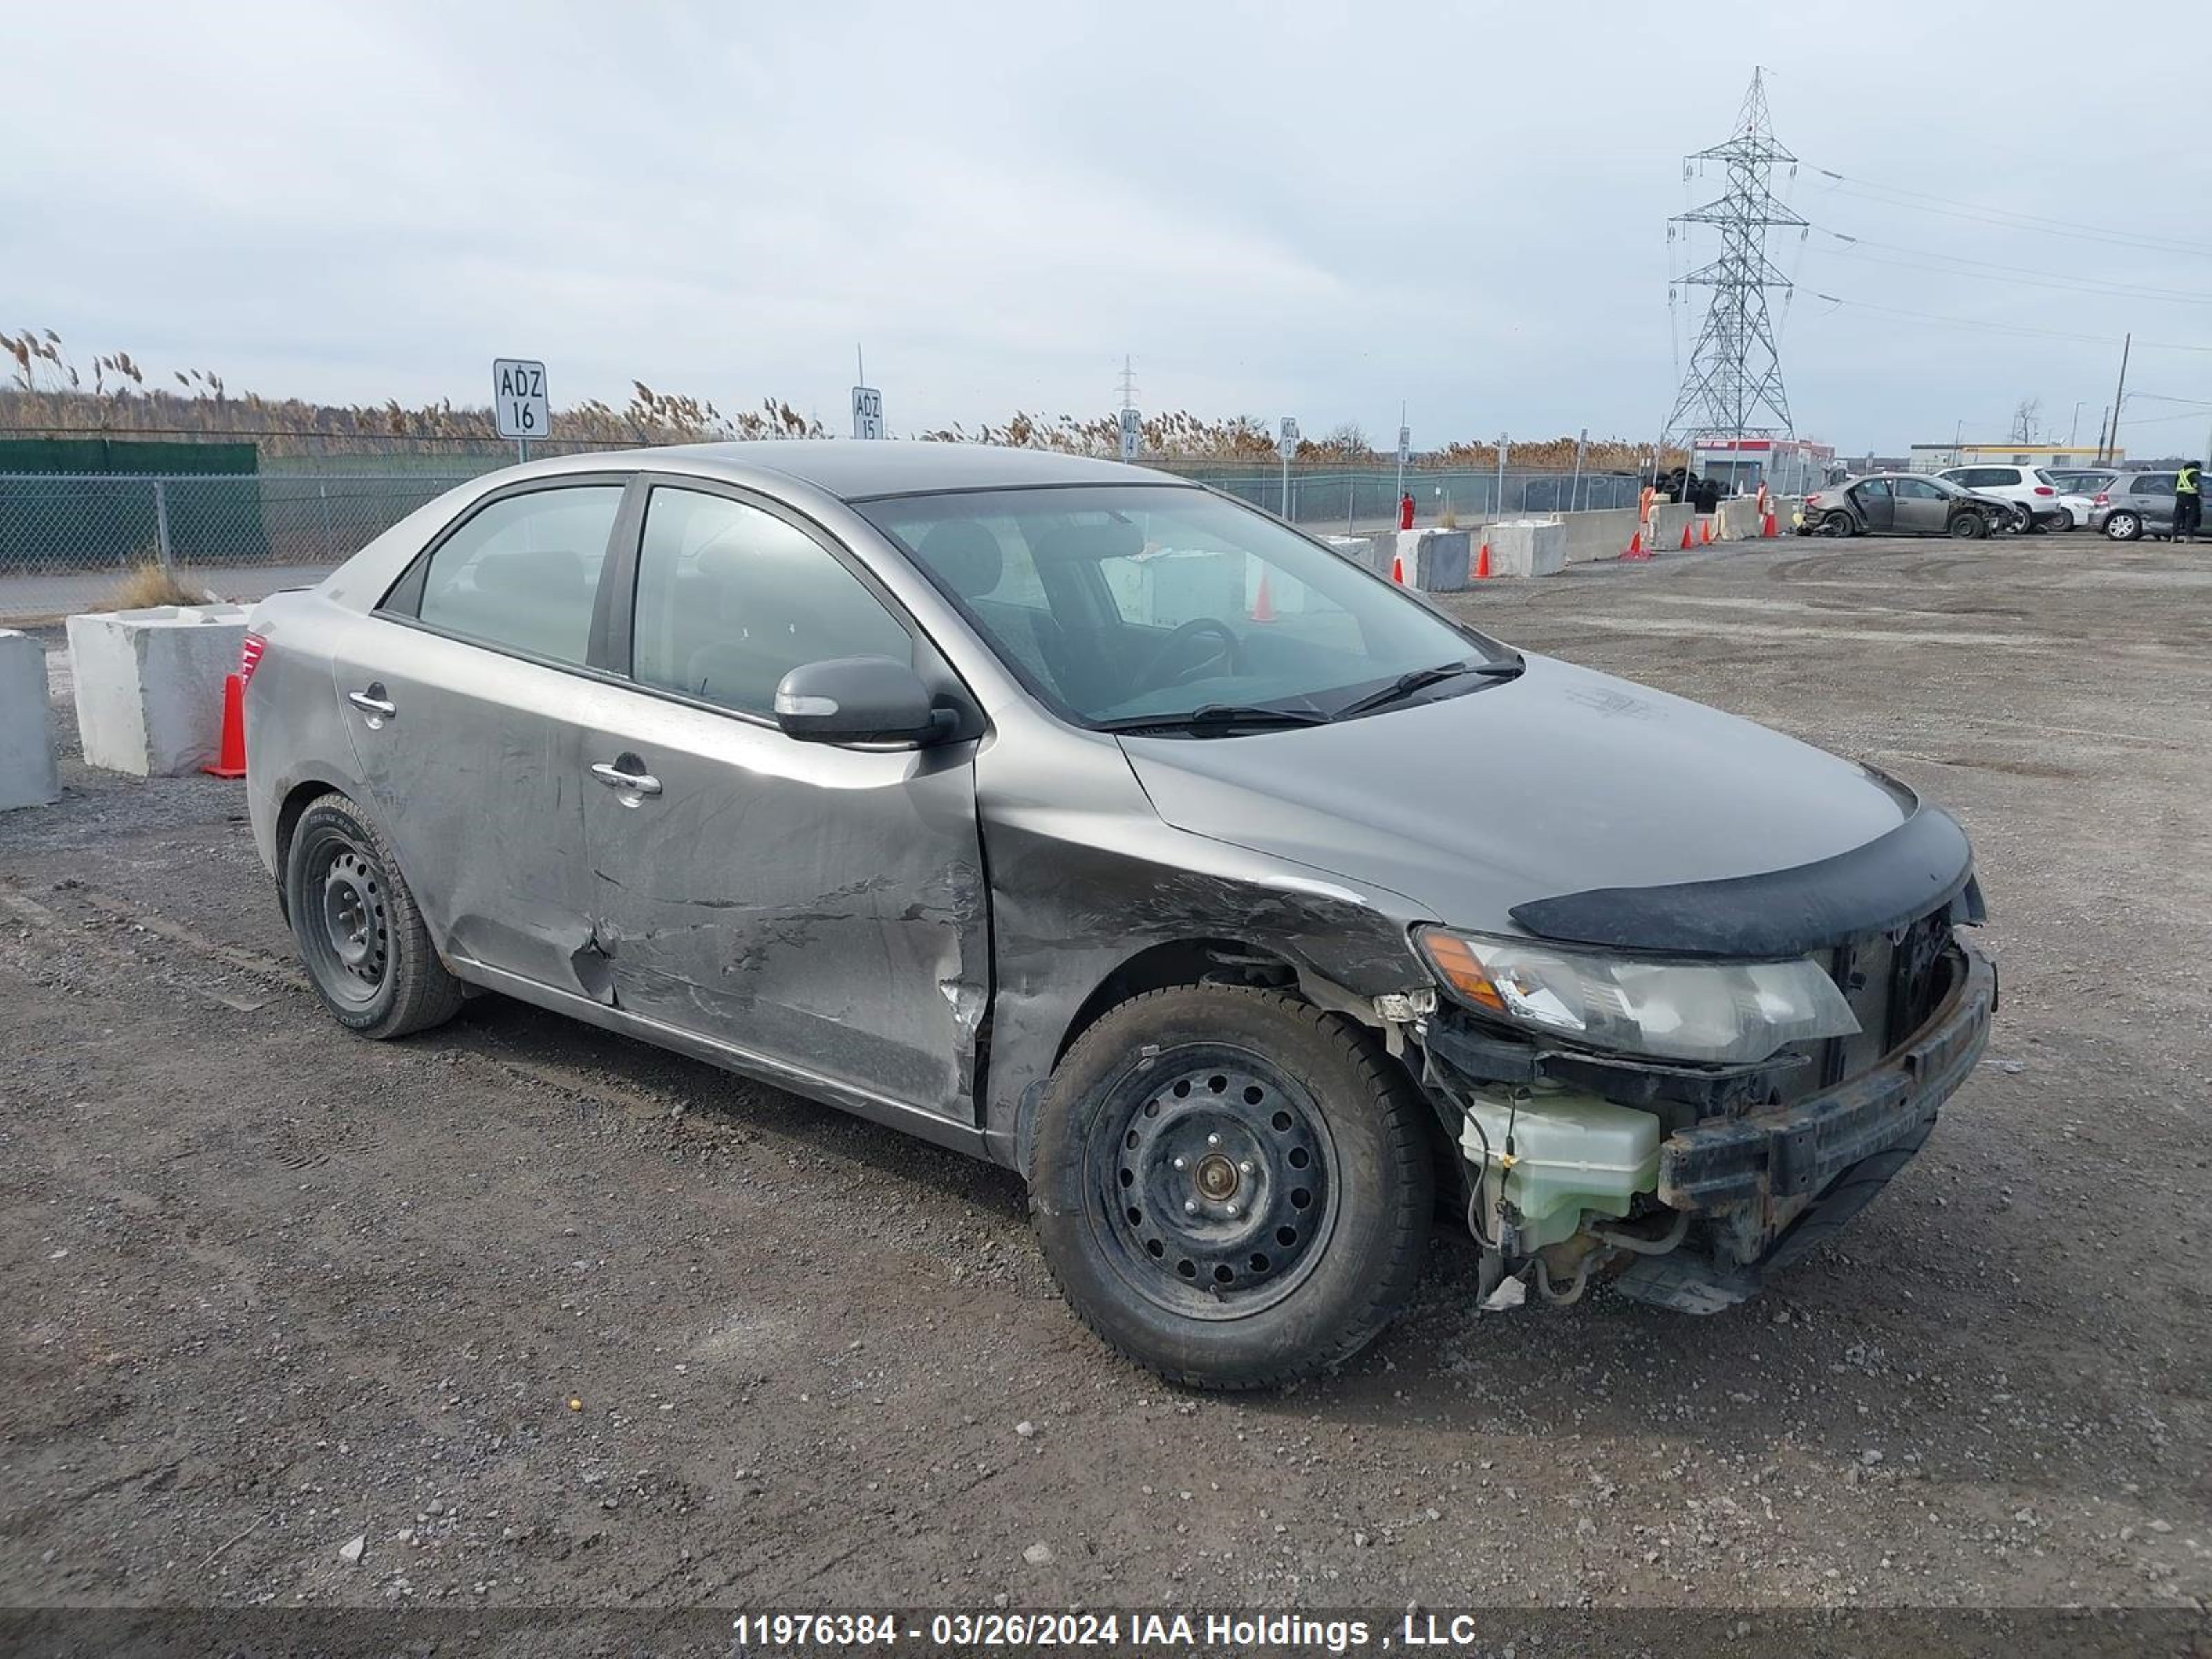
(425,993)
(1392,1285)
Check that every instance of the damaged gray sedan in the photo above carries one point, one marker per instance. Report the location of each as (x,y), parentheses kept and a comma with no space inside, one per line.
(1083,819)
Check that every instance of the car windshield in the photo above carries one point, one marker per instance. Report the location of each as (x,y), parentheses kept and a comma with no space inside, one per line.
(1119,604)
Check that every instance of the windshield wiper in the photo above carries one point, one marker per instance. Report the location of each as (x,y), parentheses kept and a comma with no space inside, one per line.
(1405,684)
(1217,716)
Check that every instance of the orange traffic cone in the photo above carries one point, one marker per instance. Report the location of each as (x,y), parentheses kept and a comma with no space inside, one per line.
(1482,563)
(1398,569)
(231,761)
(1767,527)
(1705,532)
(1687,542)
(1263,604)
(1635,549)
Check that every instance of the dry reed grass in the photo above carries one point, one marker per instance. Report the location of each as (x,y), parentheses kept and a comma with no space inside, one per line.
(145,586)
(51,394)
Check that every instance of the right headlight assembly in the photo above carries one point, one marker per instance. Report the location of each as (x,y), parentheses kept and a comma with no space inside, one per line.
(1713,1013)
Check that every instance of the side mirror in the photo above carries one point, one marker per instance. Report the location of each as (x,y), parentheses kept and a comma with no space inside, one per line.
(858,700)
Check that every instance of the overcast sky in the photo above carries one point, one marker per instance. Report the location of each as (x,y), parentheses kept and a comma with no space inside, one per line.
(1295,209)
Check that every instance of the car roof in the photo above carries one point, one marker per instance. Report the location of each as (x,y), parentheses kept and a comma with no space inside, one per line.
(859,469)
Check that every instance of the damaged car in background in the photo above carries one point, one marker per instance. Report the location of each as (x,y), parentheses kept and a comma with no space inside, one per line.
(1083,819)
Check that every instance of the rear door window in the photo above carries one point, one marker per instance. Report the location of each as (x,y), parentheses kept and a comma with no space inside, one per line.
(522,573)
(2155,483)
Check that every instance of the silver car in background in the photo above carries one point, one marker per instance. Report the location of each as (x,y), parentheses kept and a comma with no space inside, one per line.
(2135,505)
(1080,818)
(1903,504)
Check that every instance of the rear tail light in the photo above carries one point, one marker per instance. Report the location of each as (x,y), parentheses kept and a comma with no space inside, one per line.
(1812,501)
(2044,490)
(249,655)
(2103,500)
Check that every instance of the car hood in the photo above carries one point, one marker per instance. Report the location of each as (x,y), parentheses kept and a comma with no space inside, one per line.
(1558,781)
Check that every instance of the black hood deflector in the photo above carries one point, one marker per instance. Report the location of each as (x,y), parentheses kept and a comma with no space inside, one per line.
(1917,868)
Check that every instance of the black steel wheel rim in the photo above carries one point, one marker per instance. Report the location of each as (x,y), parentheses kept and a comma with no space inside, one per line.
(344,920)
(1214,1182)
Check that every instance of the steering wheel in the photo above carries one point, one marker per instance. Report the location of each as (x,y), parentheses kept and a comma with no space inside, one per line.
(1155,675)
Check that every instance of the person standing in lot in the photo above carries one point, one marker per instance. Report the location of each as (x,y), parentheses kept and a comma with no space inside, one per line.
(2188,499)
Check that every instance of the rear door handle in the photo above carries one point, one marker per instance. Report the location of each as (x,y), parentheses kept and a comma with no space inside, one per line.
(373,701)
(627,772)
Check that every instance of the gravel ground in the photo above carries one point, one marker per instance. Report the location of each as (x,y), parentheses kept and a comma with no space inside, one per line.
(519,1314)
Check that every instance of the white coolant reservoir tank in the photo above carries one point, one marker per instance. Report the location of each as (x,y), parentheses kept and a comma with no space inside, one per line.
(1571,1152)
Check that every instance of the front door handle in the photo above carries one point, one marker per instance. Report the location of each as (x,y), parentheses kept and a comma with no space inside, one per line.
(374,701)
(627,773)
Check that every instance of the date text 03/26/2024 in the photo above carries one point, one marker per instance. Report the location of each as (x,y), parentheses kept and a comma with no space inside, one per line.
(1169,1631)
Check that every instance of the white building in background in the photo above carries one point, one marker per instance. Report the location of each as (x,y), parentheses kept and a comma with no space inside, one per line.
(1935,458)
(1788,467)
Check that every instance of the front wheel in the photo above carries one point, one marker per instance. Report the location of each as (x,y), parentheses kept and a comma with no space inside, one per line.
(360,935)
(2122,527)
(1232,1188)
(1969,527)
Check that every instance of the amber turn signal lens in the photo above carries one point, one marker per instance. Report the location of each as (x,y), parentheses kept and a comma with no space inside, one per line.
(1461,969)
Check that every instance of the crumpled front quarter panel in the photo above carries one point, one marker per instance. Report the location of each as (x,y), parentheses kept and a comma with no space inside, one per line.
(1084,876)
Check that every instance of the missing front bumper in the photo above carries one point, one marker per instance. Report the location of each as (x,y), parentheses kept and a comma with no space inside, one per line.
(1764,1187)
(1760,1170)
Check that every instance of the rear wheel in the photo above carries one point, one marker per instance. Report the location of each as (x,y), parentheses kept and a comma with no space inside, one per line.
(1969,527)
(359,932)
(1232,1188)
(2023,519)
(2122,527)
(1836,523)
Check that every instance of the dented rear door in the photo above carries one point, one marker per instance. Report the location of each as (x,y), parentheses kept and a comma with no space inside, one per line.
(456,692)
(821,907)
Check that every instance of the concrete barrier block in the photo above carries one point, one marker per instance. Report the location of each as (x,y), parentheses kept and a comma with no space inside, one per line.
(1434,561)
(1668,521)
(1166,590)
(1604,534)
(149,684)
(1527,547)
(29,776)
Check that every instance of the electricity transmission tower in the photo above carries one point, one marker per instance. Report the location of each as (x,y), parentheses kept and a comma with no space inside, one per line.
(1733,387)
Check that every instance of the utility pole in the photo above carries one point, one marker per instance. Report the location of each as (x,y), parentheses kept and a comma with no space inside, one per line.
(1132,423)
(1400,493)
(2106,450)
(2074,430)
(1733,386)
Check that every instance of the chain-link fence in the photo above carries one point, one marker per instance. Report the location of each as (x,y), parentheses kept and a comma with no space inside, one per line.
(1368,499)
(66,540)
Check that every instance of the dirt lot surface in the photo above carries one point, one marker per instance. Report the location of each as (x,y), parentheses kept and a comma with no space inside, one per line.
(550,1317)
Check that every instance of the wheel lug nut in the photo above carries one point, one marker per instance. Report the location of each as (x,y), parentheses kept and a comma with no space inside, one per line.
(1180,1163)
(1213,1140)
(1190,1206)
(1233,1213)
(1245,1168)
